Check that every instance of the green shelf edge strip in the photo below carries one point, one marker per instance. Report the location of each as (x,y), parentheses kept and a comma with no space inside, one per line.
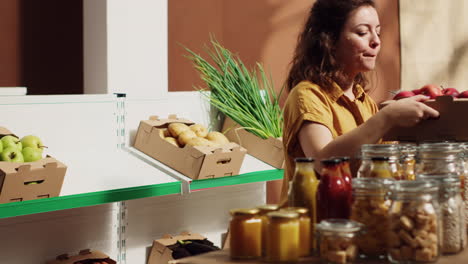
(87,199)
(97,198)
(257,176)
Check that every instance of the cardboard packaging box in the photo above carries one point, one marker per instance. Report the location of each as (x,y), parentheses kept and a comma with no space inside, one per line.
(451,125)
(194,162)
(268,150)
(30,180)
(84,257)
(162,254)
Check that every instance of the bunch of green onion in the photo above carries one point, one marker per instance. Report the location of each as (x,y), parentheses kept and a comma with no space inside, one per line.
(246,96)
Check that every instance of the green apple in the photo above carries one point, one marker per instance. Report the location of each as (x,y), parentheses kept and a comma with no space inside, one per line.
(11,141)
(12,154)
(1,146)
(32,142)
(31,154)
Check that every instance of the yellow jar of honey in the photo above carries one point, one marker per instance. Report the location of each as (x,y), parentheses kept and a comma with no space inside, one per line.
(245,230)
(263,211)
(305,230)
(282,244)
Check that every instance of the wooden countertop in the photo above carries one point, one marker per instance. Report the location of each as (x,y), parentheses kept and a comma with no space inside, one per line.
(222,257)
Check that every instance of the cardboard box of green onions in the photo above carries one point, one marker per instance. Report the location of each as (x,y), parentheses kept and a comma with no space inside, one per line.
(248,100)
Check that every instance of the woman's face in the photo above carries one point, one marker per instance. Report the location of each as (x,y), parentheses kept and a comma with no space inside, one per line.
(359,42)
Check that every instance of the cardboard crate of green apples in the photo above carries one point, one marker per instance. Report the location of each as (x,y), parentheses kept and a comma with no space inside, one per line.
(25,172)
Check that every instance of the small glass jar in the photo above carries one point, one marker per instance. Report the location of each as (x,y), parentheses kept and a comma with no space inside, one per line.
(379,151)
(414,233)
(263,210)
(408,153)
(451,211)
(245,230)
(337,240)
(282,244)
(370,207)
(305,233)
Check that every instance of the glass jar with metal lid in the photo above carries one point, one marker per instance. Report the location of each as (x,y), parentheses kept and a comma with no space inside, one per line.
(439,158)
(389,151)
(451,211)
(337,240)
(305,230)
(282,244)
(408,153)
(370,207)
(413,236)
(245,230)
(263,210)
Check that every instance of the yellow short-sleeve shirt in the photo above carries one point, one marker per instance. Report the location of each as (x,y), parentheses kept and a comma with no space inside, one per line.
(331,108)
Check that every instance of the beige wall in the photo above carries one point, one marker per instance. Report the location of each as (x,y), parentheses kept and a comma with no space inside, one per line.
(264,31)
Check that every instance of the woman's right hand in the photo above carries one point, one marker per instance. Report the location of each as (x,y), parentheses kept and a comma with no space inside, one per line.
(408,112)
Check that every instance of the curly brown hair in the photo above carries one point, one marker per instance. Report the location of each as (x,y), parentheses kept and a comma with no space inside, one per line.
(314,59)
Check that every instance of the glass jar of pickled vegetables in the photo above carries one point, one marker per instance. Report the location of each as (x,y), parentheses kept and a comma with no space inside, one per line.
(451,212)
(305,234)
(245,230)
(390,152)
(263,210)
(414,234)
(282,244)
(303,187)
(336,239)
(370,207)
(408,160)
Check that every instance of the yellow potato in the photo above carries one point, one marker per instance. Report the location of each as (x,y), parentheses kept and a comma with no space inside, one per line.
(161,133)
(185,136)
(217,137)
(199,141)
(177,128)
(172,140)
(199,129)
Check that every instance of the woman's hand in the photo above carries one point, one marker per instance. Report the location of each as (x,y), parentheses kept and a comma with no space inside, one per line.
(408,112)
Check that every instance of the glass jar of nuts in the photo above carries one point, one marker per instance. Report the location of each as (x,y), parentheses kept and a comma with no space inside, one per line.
(414,234)
(336,239)
(370,207)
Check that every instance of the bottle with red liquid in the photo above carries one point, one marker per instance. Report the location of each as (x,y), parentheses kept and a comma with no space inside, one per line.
(347,177)
(333,194)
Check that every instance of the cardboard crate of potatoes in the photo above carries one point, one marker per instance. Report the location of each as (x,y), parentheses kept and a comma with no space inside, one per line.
(189,148)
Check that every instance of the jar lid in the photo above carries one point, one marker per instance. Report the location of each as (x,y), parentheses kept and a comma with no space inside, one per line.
(268,208)
(380,158)
(300,210)
(283,214)
(244,211)
(416,186)
(445,179)
(440,146)
(383,148)
(330,162)
(372,183)
(304,159)
(339,225)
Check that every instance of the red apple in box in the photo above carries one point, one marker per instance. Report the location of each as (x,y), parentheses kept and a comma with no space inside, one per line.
(451,91)
(416,91)
(403,94)
(463,94)
(431,90)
